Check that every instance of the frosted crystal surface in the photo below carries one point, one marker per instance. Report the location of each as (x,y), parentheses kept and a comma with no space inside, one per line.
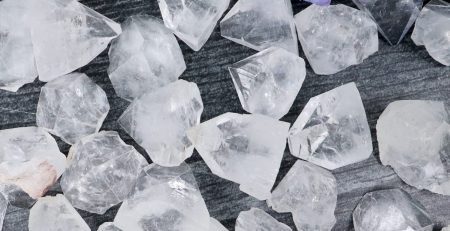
(257,219)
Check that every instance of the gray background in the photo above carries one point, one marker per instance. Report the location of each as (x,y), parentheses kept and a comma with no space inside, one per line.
(394,73)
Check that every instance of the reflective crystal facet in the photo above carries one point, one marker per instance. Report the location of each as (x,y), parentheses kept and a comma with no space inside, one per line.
(215,225)
(257,219)
(108,226)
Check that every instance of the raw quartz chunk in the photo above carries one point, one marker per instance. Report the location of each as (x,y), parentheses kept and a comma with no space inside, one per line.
(101,172)
(164,199)
(257,219)
(260,24)
(108,226)
(268,82)
(192,21)
(246,149)
(30,159)
(72,107)
(215,225)
(158,121)
(146,56)
(335,37)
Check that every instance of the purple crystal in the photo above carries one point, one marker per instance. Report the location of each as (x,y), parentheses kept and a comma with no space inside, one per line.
(320,2)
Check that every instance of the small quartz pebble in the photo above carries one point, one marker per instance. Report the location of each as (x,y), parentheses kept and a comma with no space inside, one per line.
(246,149)
(192,21)
(72,107)
(309,193)
(158,121)
(101,172)
(320,2)
(164,199)
(108,226)
(55,214)
(260,24)
(215,225)
(335,37)
(268,82)
(332,130)
(4,207)
(390,210)
(144,57)
(257,219)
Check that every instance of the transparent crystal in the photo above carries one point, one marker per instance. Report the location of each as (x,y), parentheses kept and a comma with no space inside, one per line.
(108,226)
(257,219)
(215,225)
(16,196)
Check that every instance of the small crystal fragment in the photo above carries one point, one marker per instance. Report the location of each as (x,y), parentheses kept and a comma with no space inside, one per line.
(335,37)
(72,107)
(260,24)
(158,121)
(144,57)
(390,210)
(3,207)
(192,21)
(257,219)
(332,130)
(309,193)
(268,82)
(101,172)
(246,149)
(215,225)
(108,226)
(164,199)
(320,2)
(16,196)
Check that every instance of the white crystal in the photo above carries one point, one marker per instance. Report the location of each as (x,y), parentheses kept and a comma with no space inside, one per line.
(4,207)
(215,225)
(192,21)
(30,159)
(309,193)
(144,57)
(246,149)
(108,226)
(67,35)
(390,210)
(72,107)
(260,24)
(164,199)
(332,130)
(158,121)
(267,83)
(101,172)
(257,219)
(413,140)
(335,37)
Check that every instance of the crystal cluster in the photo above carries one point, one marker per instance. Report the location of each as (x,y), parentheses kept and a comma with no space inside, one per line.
(108,226)
(257,219)
(246,149)
(214,225)
(335,37)
(268,82)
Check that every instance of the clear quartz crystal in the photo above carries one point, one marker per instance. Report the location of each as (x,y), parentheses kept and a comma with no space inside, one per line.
(257,219)
(108,226)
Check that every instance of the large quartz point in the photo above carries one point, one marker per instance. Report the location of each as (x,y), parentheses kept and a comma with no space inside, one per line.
(413,139)
(101,172)
(260,24)
(390,210)
(309,193)
(72,107)
(268,82)
(4,207)
(332,130)
(30,159)
(257,219)
(108,226)
(158,121)
(433,30)
(215,225)
(55,214)
(335,37)
(67,35)
(394,17)
(246,149)
(144,57)
(192,21)
(164,199)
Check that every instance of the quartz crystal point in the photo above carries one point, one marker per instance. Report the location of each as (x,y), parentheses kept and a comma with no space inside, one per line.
(55,214)
(72,107)
(101,172)
(268,82)
(67,35)
(413,139)
(246,149)
(192,21)
(260,24)
(433,30)
(320,2)
(335,37)
(393,17)
(144,57)
(215,225)
(108,226)
(164,199)
(257,219)
(158,121)
(30,159)
(332,130)
(4,207)
(390,210)
(309,193)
